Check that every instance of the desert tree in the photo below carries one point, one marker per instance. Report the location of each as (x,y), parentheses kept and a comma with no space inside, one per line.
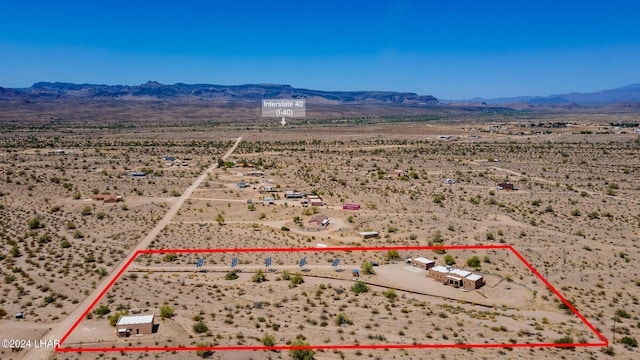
(166,311)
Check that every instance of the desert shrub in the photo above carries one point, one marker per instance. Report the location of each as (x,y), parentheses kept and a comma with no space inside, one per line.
(438,198)
(629,341)
(342,319)
(359,287)
(102,310)
(393,255)
(609,350)
(35,223)
(86,211)
(367,268)
(15,251)
(65,244)
(623,313)
(390,294)
(199,327)
(231,275)
(473,261)
(449,260)
(301,354)
(170,257)
(286,275)
(113,319)
(268,340)
(45,238)
(284,228)
(259,276)
(296,279)
(203,353)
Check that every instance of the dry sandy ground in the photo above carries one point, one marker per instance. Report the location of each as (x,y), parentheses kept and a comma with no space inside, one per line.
(575,219)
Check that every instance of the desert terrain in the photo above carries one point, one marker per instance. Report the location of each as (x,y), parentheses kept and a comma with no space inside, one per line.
(574,217)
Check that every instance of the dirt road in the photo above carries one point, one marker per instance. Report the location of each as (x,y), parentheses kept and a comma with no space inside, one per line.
(59,329)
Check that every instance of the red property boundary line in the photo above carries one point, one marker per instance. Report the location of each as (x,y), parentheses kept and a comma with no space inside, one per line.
(604,342)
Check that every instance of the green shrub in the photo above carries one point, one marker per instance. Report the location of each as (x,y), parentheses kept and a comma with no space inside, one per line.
(35,223)
(473,261)
(449,260)
(102,310)
(359,287)
(200,327)
(629,341)
(390,294)
(367,268)
(342,319)
(301,354)
(268,340)
(166,312)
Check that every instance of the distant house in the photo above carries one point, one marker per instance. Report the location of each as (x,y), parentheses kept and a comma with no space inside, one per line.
(267,188)
(169,158)
(398,174)
(315,201)
(456,277)
(243,185)
(269,201)
(294,194)
(506,186)
(349,206)
(319,220)
(243,164)
(369,234)
(107,198)
(137,174)
(449,181)
(254,173)
(128,325)
(422,263)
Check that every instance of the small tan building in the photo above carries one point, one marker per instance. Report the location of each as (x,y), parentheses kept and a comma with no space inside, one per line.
(129,325)
(422,263)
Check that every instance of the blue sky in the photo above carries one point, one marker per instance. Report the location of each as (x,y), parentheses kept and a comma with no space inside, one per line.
(449,49)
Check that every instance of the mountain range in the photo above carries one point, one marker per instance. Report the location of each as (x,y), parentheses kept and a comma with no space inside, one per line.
(155,90)
(625,94)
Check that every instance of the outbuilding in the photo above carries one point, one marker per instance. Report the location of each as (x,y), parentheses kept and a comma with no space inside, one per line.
(369,234)
(129,325)
(422,263)
(506,186)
